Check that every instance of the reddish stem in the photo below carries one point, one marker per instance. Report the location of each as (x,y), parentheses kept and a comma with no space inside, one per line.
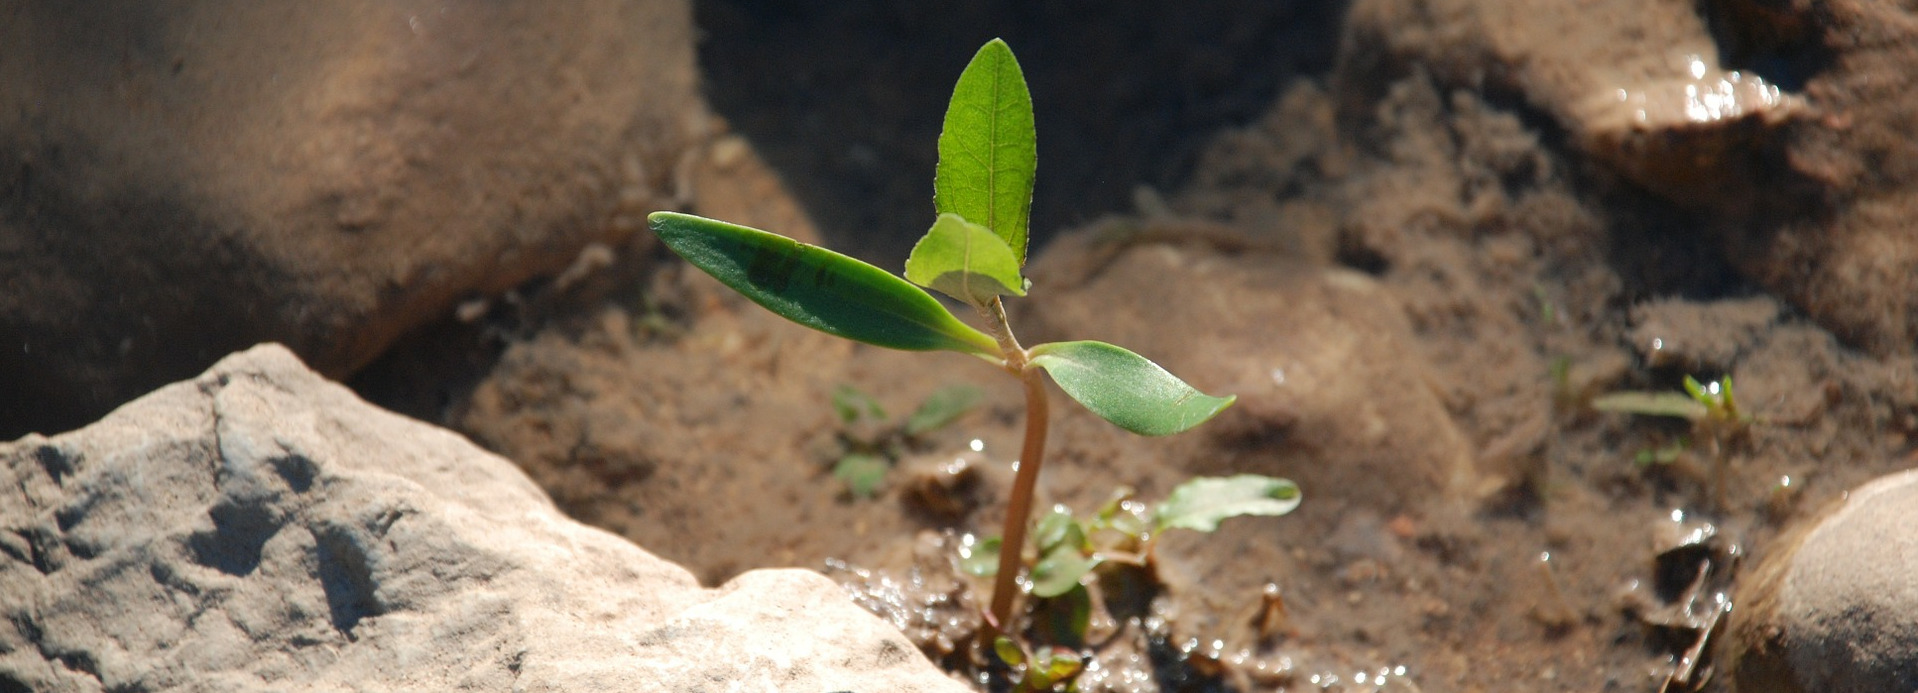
(1019,505)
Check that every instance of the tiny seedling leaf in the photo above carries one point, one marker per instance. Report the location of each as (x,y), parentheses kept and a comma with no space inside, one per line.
(1053,529)
(988,154)
(1008,651)
(965,261)
(1126,389)
(819,288)
(1672,404)
(862,474)
(1201,503)
(942,407)
(851,405)
(981,559)
(1059,571)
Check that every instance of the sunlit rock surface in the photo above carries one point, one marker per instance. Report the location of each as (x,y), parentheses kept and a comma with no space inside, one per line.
(259,528)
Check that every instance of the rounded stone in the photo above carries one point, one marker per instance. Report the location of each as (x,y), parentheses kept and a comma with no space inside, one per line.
(1835,607)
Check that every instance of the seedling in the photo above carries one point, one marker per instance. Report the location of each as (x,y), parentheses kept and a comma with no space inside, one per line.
(1712,409)
(974,253)
(870,443)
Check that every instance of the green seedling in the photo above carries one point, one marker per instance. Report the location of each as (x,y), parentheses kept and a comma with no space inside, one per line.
(974,253)
(871,443)
(1711,407)
(1119,536)
(1125,530)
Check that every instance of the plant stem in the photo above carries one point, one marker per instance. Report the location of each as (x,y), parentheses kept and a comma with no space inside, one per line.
(1019,505)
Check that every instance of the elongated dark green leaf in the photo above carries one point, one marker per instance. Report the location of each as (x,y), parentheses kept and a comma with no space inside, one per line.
(1126,389)
(965,261)
(1200,504)
(988,154)
(819,288)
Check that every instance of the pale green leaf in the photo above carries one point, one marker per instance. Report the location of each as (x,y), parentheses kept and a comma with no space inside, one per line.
(1126,389)
(1059,571)
(965,261)
(1201,503)
(942,407)
(988,154)
(862,474)
(851,405)
(819,288)
(981,559)
(1672,404)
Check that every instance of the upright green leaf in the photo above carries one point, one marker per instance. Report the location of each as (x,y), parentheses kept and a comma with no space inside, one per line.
(1200,504)
(819,288)
(965,261)
(1126,389)
(988,154)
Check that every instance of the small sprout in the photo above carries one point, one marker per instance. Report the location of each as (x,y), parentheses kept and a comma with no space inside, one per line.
(862,473)
(852,405)
(941,408)
(872,445)
(1710,406)
(1663,454)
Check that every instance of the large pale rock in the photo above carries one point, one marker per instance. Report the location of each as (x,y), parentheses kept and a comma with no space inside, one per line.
(181,180)
(1834,609)
(259,528)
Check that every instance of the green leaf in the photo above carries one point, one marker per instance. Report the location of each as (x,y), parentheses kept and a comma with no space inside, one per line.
(1126,389)
(1672,404)
(965,261)
(942,407)
(988,154)
(981,559)
(1059,570)
(1056,529)
(819,288)
(1200,504)
(862,474)
(1008,651)
(851,404)
(1054,665)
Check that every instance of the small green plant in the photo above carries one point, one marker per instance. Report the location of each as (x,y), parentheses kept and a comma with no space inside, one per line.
(974,253)
(1710,406)
(871,443)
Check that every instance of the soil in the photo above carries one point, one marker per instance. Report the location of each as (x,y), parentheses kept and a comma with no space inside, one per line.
(1415,288)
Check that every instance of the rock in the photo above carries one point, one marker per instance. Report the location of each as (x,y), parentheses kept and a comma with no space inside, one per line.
(259,528)
(1835,607)
(179,181)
